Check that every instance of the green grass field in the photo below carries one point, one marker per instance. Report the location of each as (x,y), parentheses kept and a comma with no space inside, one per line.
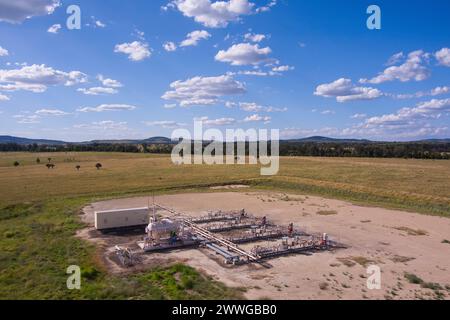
(39,206)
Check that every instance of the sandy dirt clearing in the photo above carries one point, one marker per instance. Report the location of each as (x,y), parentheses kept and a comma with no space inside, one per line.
(396,241)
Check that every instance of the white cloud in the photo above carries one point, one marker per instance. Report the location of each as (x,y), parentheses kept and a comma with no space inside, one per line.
(170,106)
(244,54)
(282,68)
(37,78)
(3,52)
(254,37)
(411,69)
(54,28)
(230,104)
(216,122)
(433,92)
(3,97)
(193,38)
(109,82)
(258,73)
(216,14)
(27,119)
(139,34)
(267,7)
(359,116)
(201,91)
(99,24)
(328,112)
(136,50)
(257,118)
(51,112)
(443,57)
(170,46)
(394,59)
(95,91)
(407,122)
(104,125)
(254,107)
(164,124)
(17,11)
(107,107)
(344,90)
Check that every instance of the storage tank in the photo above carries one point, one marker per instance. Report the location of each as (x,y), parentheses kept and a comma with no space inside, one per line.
(121,218)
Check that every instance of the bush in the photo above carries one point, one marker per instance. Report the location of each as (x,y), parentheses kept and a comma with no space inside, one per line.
(16,163)
(89,273)
(412,278)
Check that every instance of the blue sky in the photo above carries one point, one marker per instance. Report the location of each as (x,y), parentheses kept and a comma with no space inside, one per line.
(145,68)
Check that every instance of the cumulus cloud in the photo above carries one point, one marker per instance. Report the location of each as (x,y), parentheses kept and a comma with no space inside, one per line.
(408,122)
(95,91)
(18,10)
(193,38)
(258,118)
(170,46)
(344,90)
(111,83)
(428,109)
(3,97)
(443,57)
(200,91)
(170,106)
(54,28)
(282,68)
(37,78)
(254,37)
(412,69)
(136,50)
(216,14)
(108,107)
(395,58)
(267,7)
(433,92)
(244,54)
(3,52)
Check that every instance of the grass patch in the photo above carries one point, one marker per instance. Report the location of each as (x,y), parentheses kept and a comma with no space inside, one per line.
(327,212)
(400,259)
(352,261)
(412,232)
(412,278)
(38,245)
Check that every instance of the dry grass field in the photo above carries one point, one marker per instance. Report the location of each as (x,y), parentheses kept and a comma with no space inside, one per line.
(420,185)
(39,212)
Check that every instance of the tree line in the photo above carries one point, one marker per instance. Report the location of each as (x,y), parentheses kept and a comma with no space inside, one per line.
(409,150)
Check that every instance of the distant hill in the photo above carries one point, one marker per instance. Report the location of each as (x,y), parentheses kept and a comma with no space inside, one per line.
(18,140)
(164,140)
(26,141)
(318,139)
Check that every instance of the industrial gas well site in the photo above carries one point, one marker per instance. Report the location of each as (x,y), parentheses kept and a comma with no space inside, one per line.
(274,245)
(232,238)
